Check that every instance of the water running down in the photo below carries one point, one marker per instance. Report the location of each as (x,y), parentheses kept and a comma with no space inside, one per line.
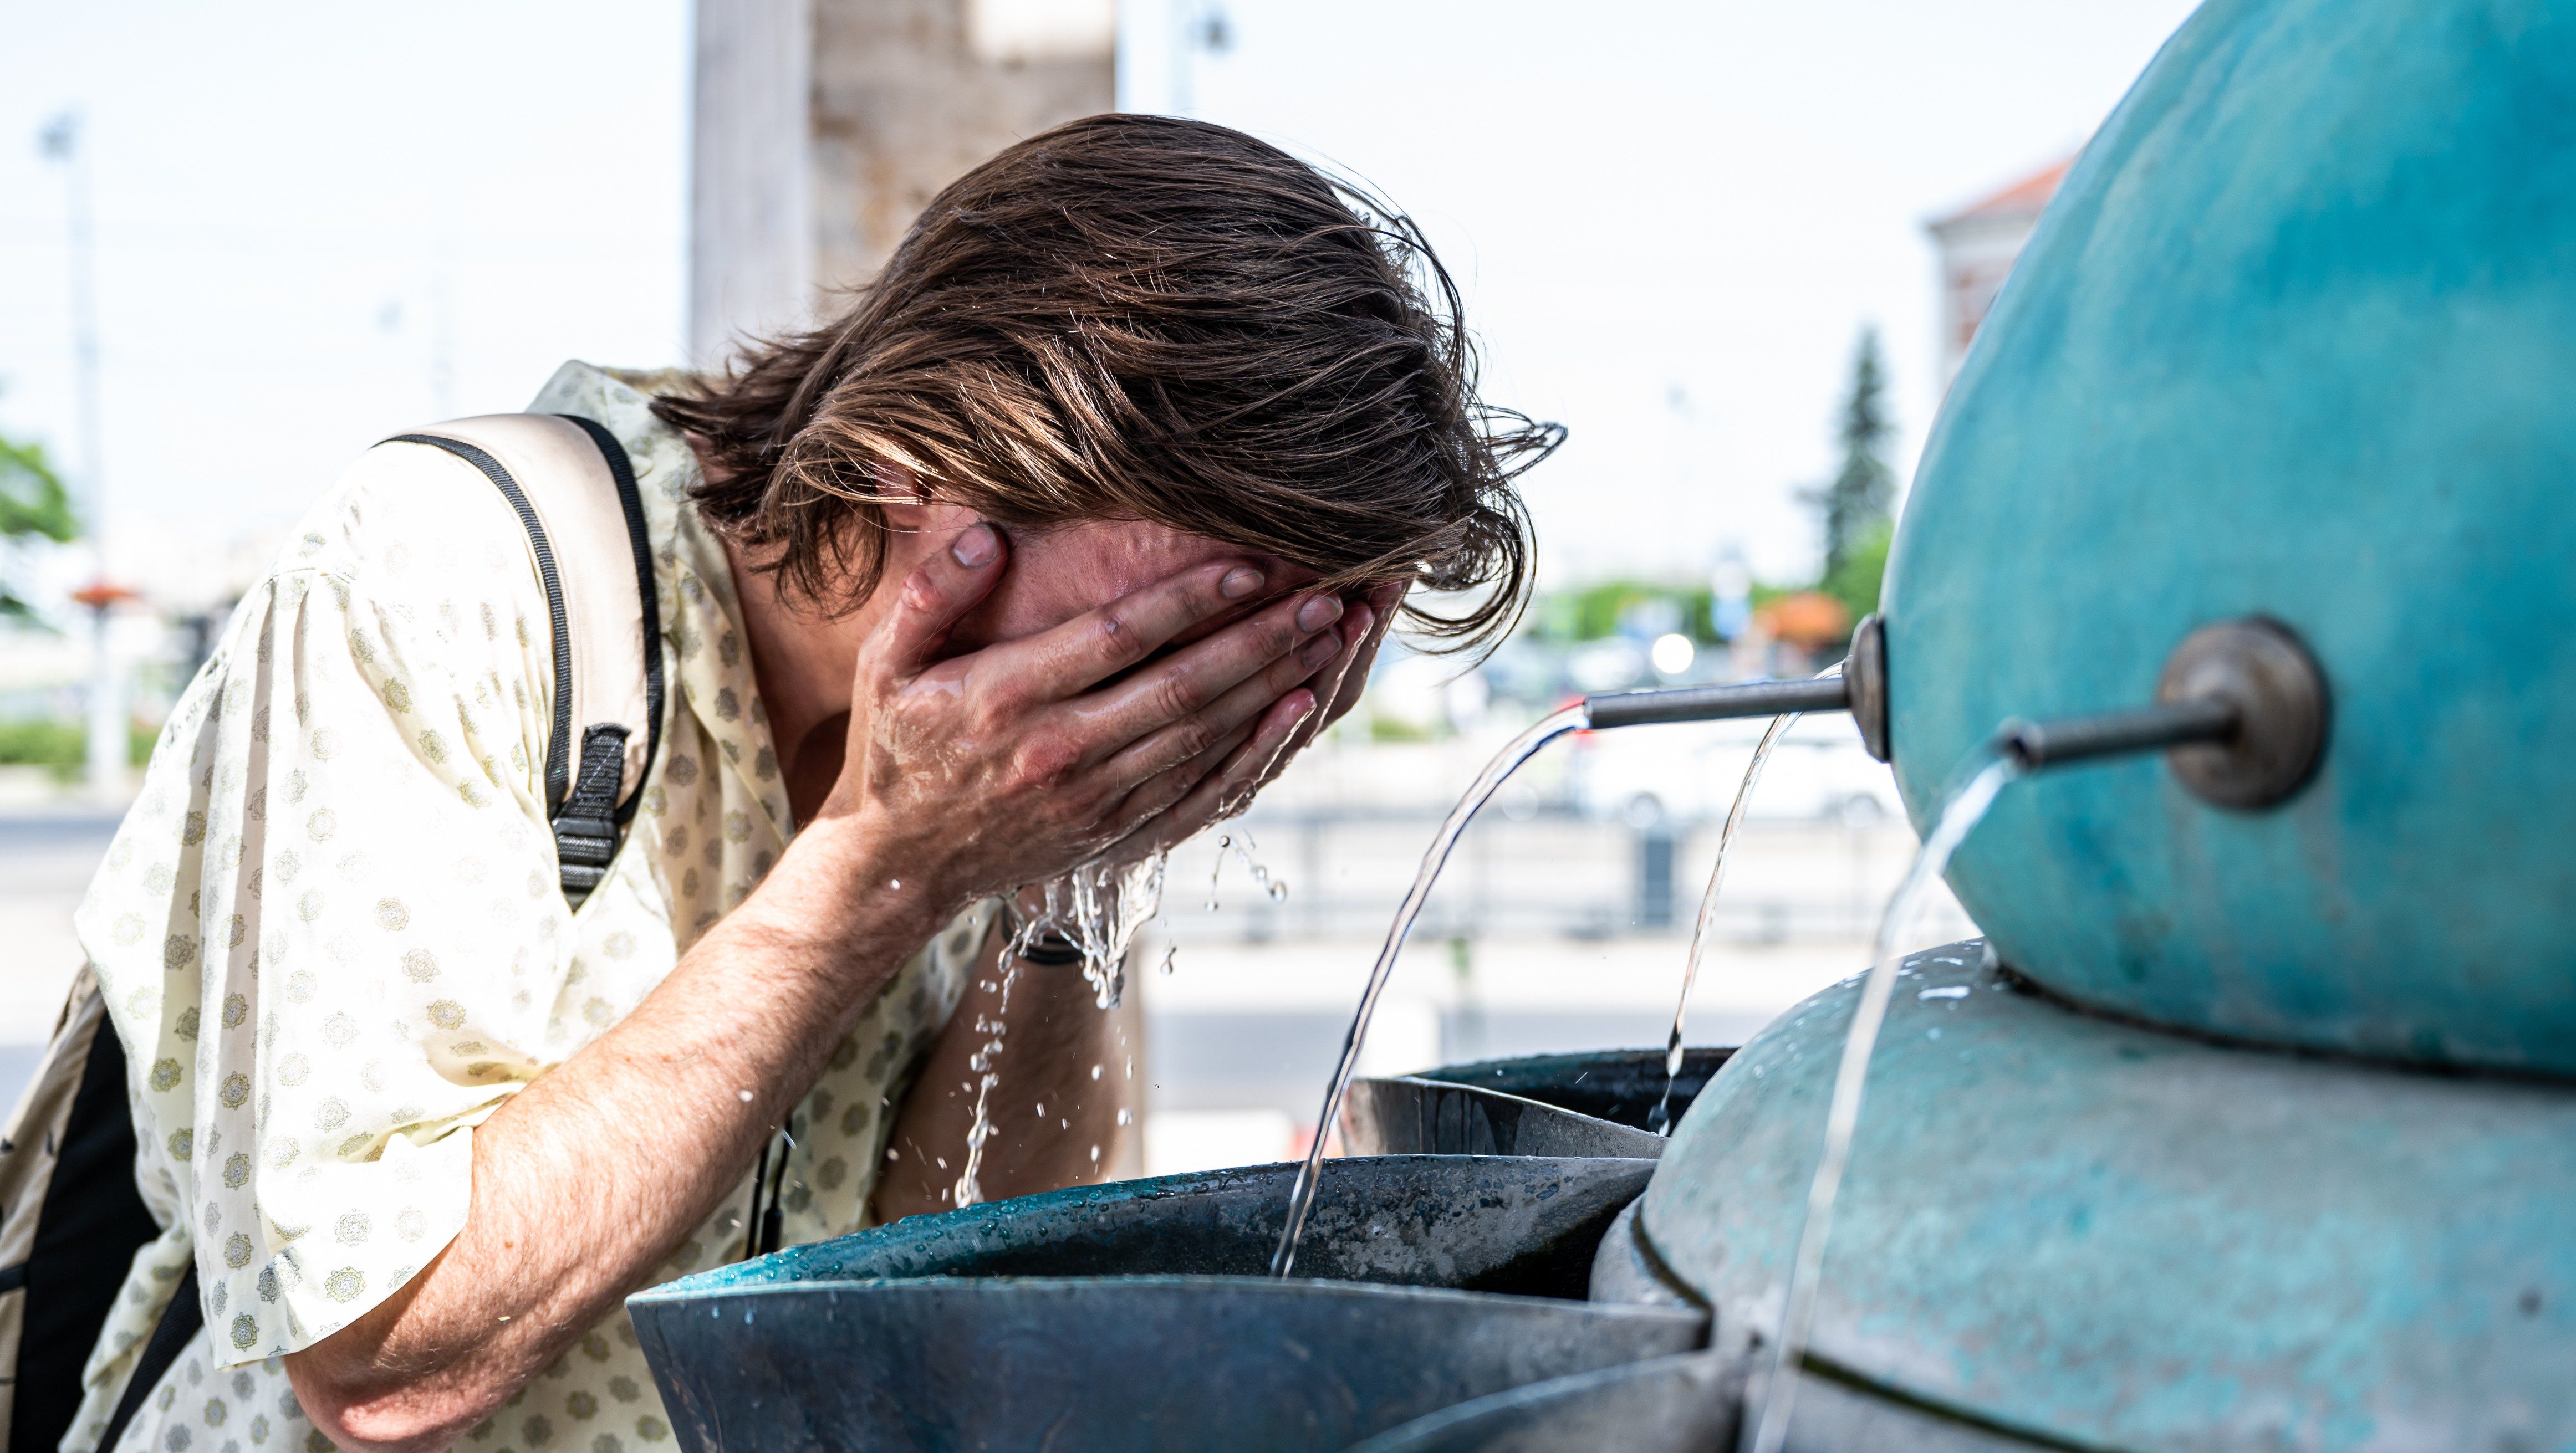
(1301,1198)
(1961,810)
(1097,908)
(1660,1120)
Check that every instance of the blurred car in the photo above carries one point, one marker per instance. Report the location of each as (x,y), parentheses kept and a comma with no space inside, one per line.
(1689,772)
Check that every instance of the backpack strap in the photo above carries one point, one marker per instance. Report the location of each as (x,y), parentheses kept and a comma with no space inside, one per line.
(573,489)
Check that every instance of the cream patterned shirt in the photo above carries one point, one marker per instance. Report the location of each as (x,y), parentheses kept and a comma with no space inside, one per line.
(331,935)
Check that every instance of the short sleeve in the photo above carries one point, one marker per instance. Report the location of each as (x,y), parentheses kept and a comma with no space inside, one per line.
(334,914)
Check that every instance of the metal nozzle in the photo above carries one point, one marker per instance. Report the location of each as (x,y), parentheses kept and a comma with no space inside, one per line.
(1717,703)
(2037,744)
(2241,716)
(1859,688)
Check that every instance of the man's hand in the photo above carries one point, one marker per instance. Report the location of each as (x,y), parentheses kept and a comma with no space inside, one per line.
(1010,765)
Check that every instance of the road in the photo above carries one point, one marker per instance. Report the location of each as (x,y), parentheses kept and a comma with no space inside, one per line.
(45,861)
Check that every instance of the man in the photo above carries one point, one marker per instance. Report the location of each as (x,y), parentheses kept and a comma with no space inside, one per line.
(1087,514)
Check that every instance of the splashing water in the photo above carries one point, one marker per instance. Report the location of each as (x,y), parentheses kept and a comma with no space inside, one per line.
(1243,848)
(1301,1197)
(1660,1120)
(1275,889)
(1961,810)
(1097,908)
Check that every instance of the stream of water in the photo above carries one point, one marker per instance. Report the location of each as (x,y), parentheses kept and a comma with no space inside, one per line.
(1097,908)
(1660,1120)
(1301,1198)
(1961,810)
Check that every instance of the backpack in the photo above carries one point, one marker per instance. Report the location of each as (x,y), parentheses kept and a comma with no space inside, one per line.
(71,1218)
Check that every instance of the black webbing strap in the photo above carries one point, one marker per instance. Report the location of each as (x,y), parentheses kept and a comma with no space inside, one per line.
(630,501)
(179,1322)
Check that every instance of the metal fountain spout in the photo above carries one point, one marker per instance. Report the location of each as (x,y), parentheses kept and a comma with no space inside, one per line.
(1858,685)
(2241,712)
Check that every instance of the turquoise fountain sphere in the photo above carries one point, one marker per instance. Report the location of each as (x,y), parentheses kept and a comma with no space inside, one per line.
(2297,339)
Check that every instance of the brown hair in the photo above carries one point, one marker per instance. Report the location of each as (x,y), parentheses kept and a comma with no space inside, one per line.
(1141,317)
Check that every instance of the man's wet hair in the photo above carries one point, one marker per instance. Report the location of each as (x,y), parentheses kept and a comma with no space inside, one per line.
(1146,318)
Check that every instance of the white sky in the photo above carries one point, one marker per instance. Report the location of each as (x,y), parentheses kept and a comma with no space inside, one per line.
(1672,218)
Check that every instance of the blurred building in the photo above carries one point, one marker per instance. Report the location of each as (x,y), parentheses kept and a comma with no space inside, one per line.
(1978,245)
(824,126)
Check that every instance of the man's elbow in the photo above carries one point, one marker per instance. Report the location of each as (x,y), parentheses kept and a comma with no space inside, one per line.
(360,1410)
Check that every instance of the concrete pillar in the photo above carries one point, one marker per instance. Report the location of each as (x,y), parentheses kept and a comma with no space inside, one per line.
(751,220)
(824,126)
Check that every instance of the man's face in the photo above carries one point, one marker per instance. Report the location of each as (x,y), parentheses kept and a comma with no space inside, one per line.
(1059,573)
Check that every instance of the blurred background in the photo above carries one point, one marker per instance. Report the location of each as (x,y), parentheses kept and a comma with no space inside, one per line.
(1737,248)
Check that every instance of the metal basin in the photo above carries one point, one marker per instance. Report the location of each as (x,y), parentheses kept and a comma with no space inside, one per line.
(1135,1315)
(1694,1403)
(1549,1105)
(1415,1116)
(1617,1085)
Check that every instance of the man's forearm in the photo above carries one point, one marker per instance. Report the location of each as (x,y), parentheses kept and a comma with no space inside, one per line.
(588,1179)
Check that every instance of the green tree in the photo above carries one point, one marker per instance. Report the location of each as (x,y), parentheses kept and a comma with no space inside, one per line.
(33,505)
(1855,582)
(1856,504)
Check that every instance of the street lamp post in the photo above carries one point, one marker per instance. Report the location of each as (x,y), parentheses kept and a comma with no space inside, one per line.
(61,142)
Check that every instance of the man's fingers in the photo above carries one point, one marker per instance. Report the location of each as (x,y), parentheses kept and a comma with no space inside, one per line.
(1382,603)
(1284,644)
(939,593)
(1098,644)
(1154,798)
(1170,807)
(1162,748)
(1341,681)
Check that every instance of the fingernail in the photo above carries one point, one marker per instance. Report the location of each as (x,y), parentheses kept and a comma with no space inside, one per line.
(1239,583)
(976,546)
(1318,613)
(1319,650)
